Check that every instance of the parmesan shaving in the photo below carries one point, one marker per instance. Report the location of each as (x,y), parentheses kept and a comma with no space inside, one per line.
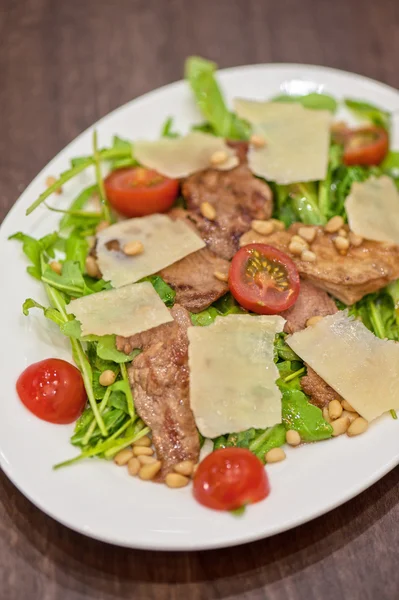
(360,367)
(164,242)
(126,311)
(233,374)
(183,156)
(297,140)
(373,209)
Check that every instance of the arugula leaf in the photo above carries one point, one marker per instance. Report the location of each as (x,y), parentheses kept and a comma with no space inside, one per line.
(303,417)
(71,220)
(369,112)
(272,437)
(34,249)
(76,249)
(282,349)
(50,313)
(205,317)
(164,291)
(126,146)
(167,129)
(314,100)
(300,202)
(227,305)
(106,349)
(379,312)
(390,165)
(70,281)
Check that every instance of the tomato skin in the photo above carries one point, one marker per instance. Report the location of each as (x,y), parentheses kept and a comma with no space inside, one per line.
(230,478)
(260,293)
(136,191)
(53,390)
(366,146)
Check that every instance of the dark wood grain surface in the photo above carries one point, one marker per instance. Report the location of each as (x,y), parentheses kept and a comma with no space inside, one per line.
(64,64)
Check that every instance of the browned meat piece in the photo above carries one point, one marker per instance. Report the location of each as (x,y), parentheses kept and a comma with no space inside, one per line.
(159,378)
(364,269)
(319,391)
(311,302)
(238,198)
(194,281)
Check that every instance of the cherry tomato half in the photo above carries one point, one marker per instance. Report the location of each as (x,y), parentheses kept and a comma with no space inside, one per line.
(230,478)
(263,279)
(136,192)
(53,390)
(366,146)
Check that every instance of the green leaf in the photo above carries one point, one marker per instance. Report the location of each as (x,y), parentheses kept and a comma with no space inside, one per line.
(205,317)
(76,249)
(390,165)
(282,350)
(164,291)
(239,512)
(167,129)
(34,249)
(128,160)
(303,417)
(106,349)
(227,305)
(272,437)
(369,112)
(50,313)
(70,281)
(313,101)
(70,220)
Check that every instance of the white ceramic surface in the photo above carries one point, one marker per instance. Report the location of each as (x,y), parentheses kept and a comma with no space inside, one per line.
(95,497)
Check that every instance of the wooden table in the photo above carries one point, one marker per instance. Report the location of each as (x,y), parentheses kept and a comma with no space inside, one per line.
(63,65)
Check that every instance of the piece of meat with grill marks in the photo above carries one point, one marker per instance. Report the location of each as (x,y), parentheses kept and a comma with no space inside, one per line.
(237,196)
(159,378)
(317,389)
(364,269)
(311,302)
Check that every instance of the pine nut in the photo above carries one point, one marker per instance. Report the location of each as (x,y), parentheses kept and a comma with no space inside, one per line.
(292,437)
(307,233)
(313,320)
(56,267)
(340,426)
(148,472)
(123,457)
(350,415)
(258,141)
(262,227)
(50,180)
(92,267)
(296,248)
(146,460)
(341,243)
(358,426)
(102,225)
(133,466)
(133,248)
(175,480)
(219,157)
(278,225)
(185,467)
(208,211)
(334,224)
(221,276)
(144,441)
(326,415)
(347,406)
(308,256)
(275,455)
(334,409)
(107,378)
(343,233)
(355,240)
(142,451)
(297,239)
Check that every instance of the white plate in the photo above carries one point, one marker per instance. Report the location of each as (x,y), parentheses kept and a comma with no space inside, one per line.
(95,497)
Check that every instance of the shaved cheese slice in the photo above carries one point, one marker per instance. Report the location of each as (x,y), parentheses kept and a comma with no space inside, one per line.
(360,367)
(126,311)
(165,242)
(183,156)
(233,374)
(373,209)
(297,140)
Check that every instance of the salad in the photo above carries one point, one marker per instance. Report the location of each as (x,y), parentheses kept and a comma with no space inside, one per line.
(222,291)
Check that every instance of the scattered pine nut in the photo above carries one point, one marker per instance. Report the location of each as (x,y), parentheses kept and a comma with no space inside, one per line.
(258,141)
(143,441)
(343,233)
(142,451)
(175,480)
(350,415)
(355,240)
(133,466)
(296,248)
(278,225)
(297,239)
(334,224)
(340,426)
(326,415)
(221,276)
(308,256)
(313,320)
(219,157)
(133,248)
(123,457)
(56,267)
(275,455)
(292,437)
(50,180)
(341,243)
(102,225)
(208,211)
(358,426)
(185,467)
(148,472)
(347,406)
(334,409)
(107,378)
(92,267)
(146,460)
(262,227)
(307,233)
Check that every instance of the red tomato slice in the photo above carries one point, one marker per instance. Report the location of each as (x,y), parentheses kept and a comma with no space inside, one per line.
(136,192)
(263,279)
(366,146)
(230,478)
(53,390)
